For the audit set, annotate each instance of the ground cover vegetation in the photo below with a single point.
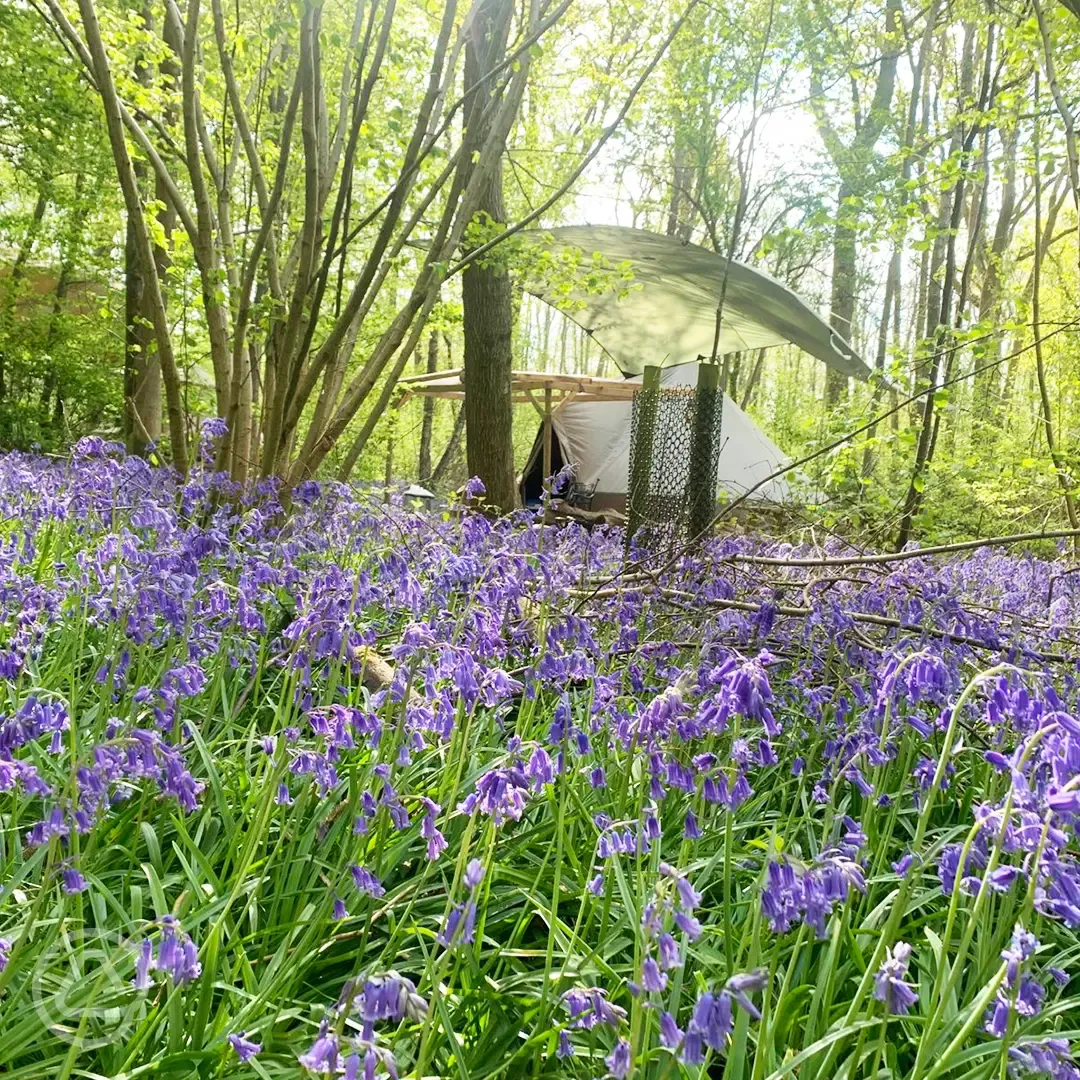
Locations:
(362, 791)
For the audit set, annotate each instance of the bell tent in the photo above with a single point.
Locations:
(595, 437)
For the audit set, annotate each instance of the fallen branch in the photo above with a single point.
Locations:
(900, 556)
(857, 616)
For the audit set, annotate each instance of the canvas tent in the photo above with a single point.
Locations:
(595, 438)
(589, 423)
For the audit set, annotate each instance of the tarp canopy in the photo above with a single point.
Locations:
(594, 436)
(667, 314)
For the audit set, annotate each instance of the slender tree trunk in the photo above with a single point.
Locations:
(892, 284)
(142, 370)
(486, 295)
(450, 452)
(50, 381)
(946, 323)
(753, 380)
(378, 411)
(18, 272)
(987, 382)
(145, 249)
(424, 465)
(842, 297)
(142, 375)
(1060, 469)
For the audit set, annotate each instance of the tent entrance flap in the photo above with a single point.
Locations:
(532, 476)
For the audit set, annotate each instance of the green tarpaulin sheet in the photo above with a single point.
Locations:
(666, 315)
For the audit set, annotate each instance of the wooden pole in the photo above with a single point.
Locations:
(389, 476)
(547, 433)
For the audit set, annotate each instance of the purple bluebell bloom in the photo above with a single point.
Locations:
(618, 1061)
(749, 982)
(366, 882)
(889, 985)
(244, 1047)
(323, 1057)
(712, 1019)
(653, 980)
(671, 1035)
(74, 882)
(566, 1047)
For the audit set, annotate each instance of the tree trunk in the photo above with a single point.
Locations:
(144, 245)
(1065, 481)
(945, 322)
(987, 382)
(423, 469)
(842, 298)
(752, 381)
(450, 452)
(485, 289)
(142, 422)
(18, 270)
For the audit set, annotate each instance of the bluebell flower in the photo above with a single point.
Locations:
(712, 1019)
(590, 1007)
(693, 1048)
(366, 882)
(566, 1047)
(74, 882)
(1049, 1057)
(653, 980)
(889, 984)
(741, 985)
(688, 924)
(213, 427)
(671, 1034)
(323, 1057)
(143, 965)
(1064, 801)
(499, 794)
(540, 769)
(244, 1047)
(618, 1061)
(177, 956)
(668, 952)
(904, 864)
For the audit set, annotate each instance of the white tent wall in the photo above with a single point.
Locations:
(595, 437)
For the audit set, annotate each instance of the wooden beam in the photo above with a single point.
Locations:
(427, 376)
(531, 398)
